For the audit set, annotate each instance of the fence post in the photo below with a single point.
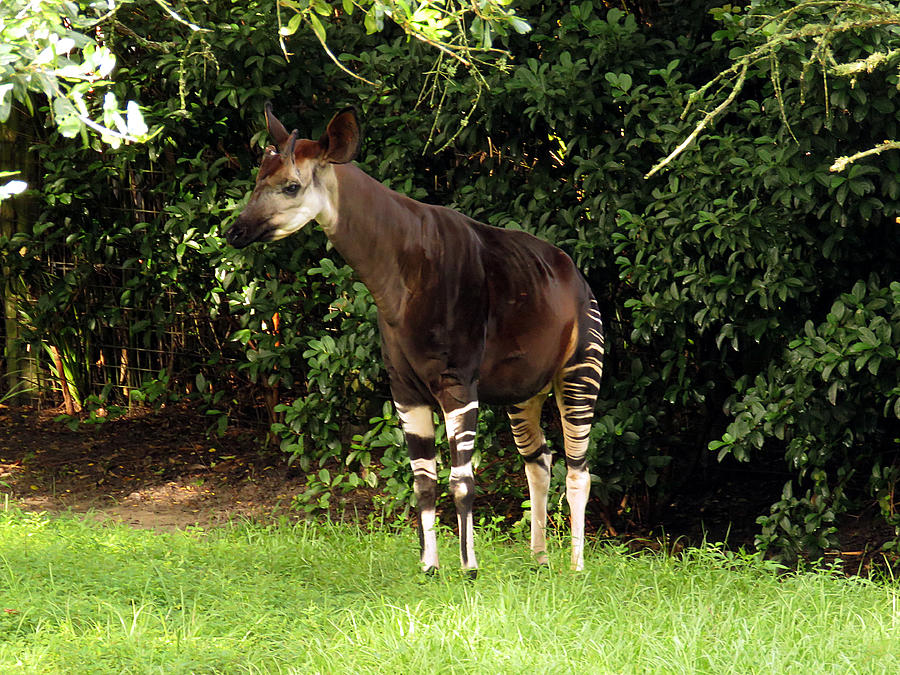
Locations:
(16, 215)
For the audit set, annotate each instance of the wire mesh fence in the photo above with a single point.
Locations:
(103, 345)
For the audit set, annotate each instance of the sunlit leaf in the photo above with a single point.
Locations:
(317, 27)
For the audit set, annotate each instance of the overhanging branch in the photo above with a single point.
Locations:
(707, 119)
(842, 163)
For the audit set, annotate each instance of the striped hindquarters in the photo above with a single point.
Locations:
(578, 384)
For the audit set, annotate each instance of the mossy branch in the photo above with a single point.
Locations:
(847, 17)
(707, 119)
(867, 65)
(842, 163)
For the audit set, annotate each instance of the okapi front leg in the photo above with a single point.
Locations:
(525, 420)
(418, 427)
(461, 424)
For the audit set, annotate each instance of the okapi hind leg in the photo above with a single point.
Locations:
(525, 421)
(418, 428)
(576, 389)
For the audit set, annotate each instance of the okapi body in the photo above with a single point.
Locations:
(468, 314)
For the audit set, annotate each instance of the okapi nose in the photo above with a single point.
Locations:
(235, 234)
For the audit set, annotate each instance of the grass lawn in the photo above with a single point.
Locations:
(77, 597)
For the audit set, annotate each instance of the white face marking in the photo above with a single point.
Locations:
(293, 218)
(314, 199)
(313, 203)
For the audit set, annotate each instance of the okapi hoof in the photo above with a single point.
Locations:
(471, 575)
(431, 570)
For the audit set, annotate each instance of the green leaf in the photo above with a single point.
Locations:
(519, 25)
(321, 7)
(292, 25)
(832, 393)
(5, 101)
(810, 329)
(374, 20)
(868, 337)
(874, 364)
(838, 309)
(317, 27)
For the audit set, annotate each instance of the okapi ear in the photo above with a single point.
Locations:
(340, 142)
(276, 129)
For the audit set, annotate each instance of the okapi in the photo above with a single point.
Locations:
(468, 314)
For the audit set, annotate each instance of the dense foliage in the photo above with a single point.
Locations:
(750, 295)
(50, 48)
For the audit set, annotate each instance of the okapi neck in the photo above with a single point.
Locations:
(374, 225)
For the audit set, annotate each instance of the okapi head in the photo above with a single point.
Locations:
(296, 182)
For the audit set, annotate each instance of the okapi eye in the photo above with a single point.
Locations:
(291, 189)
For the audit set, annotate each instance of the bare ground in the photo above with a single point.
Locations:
(158, 470)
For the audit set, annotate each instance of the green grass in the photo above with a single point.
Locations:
(77, 597)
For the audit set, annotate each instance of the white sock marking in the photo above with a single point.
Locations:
(429, 540)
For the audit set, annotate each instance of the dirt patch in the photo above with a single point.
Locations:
(157, 469)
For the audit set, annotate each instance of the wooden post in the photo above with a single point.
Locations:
(16, 215)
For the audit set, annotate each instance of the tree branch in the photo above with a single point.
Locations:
(842, 163)
(707, 119)
(854, 16)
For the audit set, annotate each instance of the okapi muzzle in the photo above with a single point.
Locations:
(467, 313)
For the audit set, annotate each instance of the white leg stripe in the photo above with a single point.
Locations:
(578, 488)
(466, 408)
(425, 467)
(455, 417)
(462, 471)
(538, 482)
(417, 420)
(465, 441)
(472, 563)
(465, 446)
